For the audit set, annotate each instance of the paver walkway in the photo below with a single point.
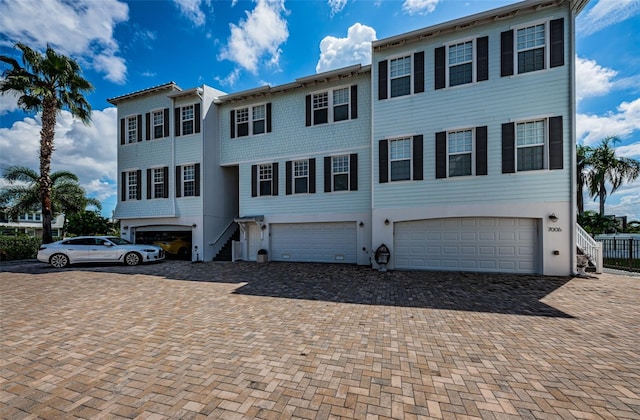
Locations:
(243, 340)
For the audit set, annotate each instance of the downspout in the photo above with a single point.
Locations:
(173, 153)
(573, 218)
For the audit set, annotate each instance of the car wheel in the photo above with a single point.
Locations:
(132, 258)
(59, 260)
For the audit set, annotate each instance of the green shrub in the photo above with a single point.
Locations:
(20, 247)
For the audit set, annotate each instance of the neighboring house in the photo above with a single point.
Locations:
(455, 149)
(164, 136)
(29, 224)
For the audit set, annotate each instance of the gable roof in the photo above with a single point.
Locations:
(149, 91)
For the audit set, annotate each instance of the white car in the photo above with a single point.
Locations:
(96, 249)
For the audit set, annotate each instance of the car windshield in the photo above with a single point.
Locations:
(119, 241)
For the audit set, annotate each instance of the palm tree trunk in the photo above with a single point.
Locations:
(580, 194)
(47, 135)
(602, 195)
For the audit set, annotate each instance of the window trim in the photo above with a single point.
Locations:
(154, 183)
(153, 113)
(135, 130)
(331, 105)
(410, 56)
(408, 138)
(294, 177)
(545, 148)
(250, 120)
(183, 180)
(347, 157)
(474, 60)
(473, 151)
(183, 120)
(547, 44)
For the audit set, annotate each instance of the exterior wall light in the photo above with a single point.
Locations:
(386, 221)
(553, 217)
(361, 224)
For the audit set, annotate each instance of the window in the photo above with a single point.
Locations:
(530, 144)
(460, 150)
(400, 158)
(341, 104)
(242, 122)
(187, 120)
(132, 185)
(265, 174)
(335, 105)
(531, 48)
(158, 183)
(320, 108)
(132, 129)
(461, 63)
(259, 119)
(158, 124)
(301, 176)
(340, 172)
(189, 180)
(400, 76)
(38, 217)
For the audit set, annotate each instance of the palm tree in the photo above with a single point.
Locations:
(607, 168)
(23, 193)
(46, 83)
(582, 163)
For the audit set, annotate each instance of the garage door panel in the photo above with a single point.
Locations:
(468, 244)
(314, 242)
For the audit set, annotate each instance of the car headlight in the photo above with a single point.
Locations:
(150, 250)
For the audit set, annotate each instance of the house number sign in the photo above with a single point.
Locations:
(555, 229)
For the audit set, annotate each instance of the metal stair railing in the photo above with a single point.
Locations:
(589, 246)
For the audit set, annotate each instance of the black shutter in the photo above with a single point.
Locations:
(382, 79)
(418, 65)
(327, 174)
(197, 180)
(353, 172)
(481, 150)
(307, 110)
(139, 182)
(354, 102)
(441, 154)
(312, 176)
(557, 43)
(254, 180)
(176, 121)
(178, 181)
(196, 118)
(269, 117)
(506, 53)
(508, 148)
(139, 127)
(383, 161)
(232, 123)
(555, 143)
(148, 126)
(482, 51)
(166, 181)
(122, 135)
(148, 184)
(274, 178)
(288, 179)
(418, 174)
(166, 123)
(440, 68)
(123, 186)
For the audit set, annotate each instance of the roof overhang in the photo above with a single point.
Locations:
(171, 86)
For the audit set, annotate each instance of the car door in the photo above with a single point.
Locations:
(77, 249)
(102, 250)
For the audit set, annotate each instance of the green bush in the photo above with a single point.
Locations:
(20, 247)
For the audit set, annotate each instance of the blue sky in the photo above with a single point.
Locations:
(125, 46)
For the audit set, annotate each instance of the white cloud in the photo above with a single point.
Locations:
(592, 79)
(593, 128)
(606, 13)
(82, 28)
(336, 6)
(340, 52)
(419, 7)
(191, 9)
(256, 40)
(8, 102)
(630, 150)
(87, 151)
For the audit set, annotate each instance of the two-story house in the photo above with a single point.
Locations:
(473, 142)
(166, 190)
(455, 149)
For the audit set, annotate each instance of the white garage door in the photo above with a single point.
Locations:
(507, 245)
(314, 242)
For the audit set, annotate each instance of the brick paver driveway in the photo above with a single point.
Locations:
(181, 340)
